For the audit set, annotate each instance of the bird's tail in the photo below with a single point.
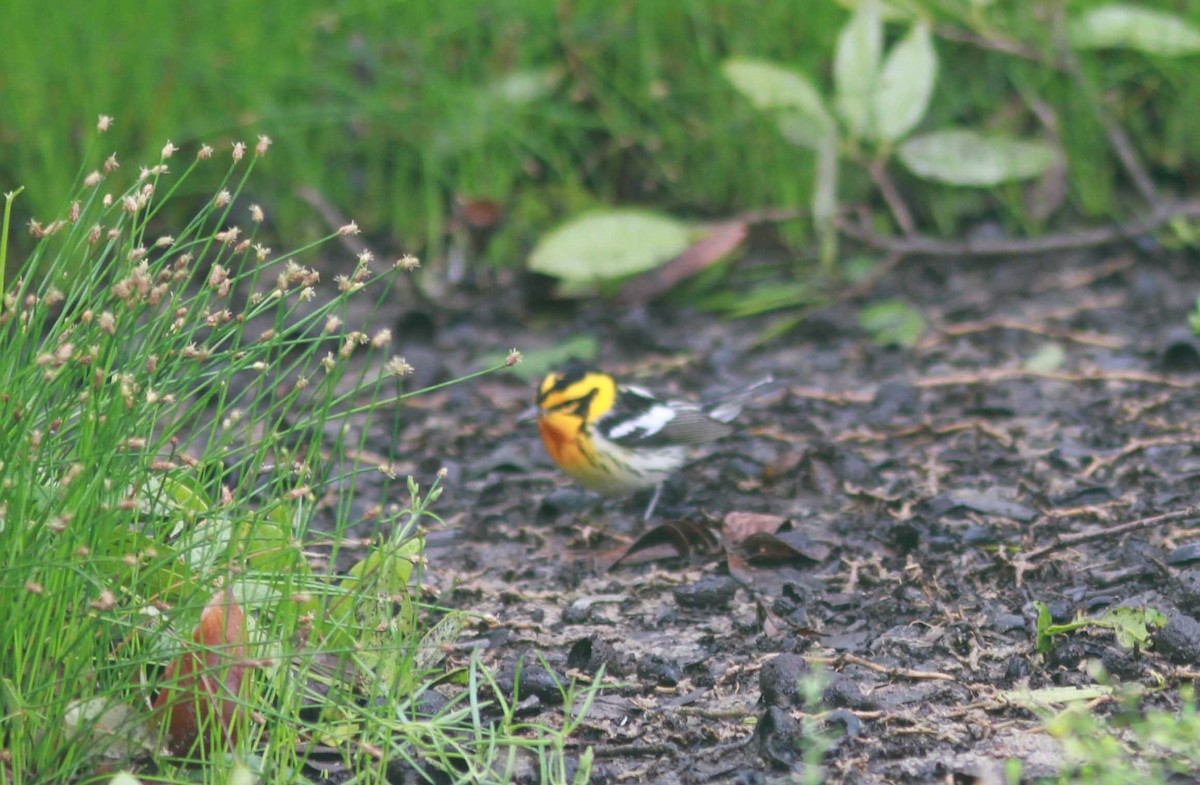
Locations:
(728, 407)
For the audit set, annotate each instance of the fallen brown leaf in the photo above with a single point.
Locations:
(207, 681)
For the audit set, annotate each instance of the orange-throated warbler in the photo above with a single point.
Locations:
(616, 438)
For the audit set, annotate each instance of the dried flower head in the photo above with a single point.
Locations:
(111, 164)
(239, 151)
(104, 123)
(513, 358)
(204, 153)
(349, 229)
(381, 338)
(397, 366)
(169, 150)
(264, 142)
(222, 198)
(408, 263)
(93, 179)
(256, 214)
(228, 236)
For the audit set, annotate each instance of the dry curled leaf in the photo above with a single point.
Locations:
(674, 539)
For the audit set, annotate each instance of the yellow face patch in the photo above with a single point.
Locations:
(568, 403)
(583, 395)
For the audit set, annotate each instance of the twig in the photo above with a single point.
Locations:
(877, 168)
(987, 325)
(931, 246)
(1075, 538)
(902, 673)
(993, 375)
(1138, 445)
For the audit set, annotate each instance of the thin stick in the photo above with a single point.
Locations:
(1075, 538)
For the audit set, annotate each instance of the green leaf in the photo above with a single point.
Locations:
(824, 199)
(892, 322)
(600, 246)
(798, 105)
(905, 85)
(1044, 621)
(1049, 357)
(963, 157)
(1132, 625)
(856, 67)
(1130, 27)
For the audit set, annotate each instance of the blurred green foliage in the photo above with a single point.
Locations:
(395, 111)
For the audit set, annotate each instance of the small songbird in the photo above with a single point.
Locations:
(616, 439)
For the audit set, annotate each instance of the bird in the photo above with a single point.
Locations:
(616, 438)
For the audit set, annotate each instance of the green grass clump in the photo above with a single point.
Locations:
(179, 411)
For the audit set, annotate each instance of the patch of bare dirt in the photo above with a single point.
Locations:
(924, 499)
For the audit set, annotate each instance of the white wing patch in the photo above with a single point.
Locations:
(647, 423)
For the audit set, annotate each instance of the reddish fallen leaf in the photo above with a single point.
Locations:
(754, 540)
(674, 539)
(204, 684)
(738, 526)
(703, 253)
(763, 548)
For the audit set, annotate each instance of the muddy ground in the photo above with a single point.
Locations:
(908, 507)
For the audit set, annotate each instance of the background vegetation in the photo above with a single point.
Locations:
(399, 113)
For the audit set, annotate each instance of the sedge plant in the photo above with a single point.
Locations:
(182, 434)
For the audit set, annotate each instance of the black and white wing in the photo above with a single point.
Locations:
(637, 418)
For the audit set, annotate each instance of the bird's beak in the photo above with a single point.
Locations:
(528, 415)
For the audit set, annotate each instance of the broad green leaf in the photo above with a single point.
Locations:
(892, 322)
(856, 67)
(905, 85)
(607, 245)
(803, 130)
(802, 115)
(963, 157)
(1120, 26)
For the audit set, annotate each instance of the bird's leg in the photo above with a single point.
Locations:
(653, 502)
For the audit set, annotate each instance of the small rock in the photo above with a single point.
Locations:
(779, 680)
(1187, 588)
(533, 680)
(1017, 668)
(591, 654)
(1188, 553)
(779, 738)
(850, 725)
(845, 692)
(713, 591)
(1008, 622)
(1181, 352)
(577, 613)
(1180, 639)
(659, 670)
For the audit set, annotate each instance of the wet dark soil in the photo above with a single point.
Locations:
(910, 506)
